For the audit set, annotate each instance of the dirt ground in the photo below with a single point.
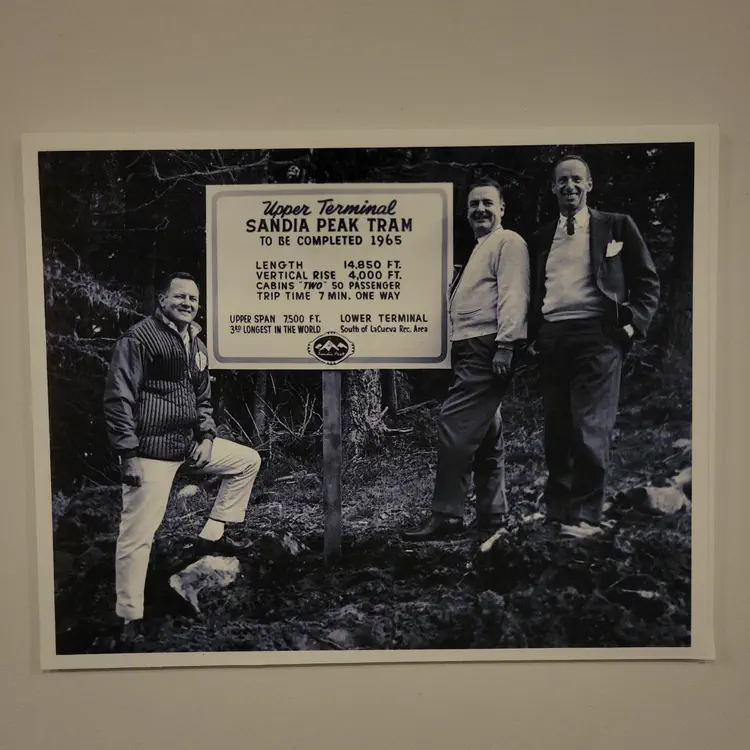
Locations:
(628, 587)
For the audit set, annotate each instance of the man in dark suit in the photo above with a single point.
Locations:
(595, 290)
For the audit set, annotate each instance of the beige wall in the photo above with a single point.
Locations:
(199, 65)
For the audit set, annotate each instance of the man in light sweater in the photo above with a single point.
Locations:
(595, 289)
(488, 317)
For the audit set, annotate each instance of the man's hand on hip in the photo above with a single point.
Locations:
(625, 334)
(200, 455)
(131, 472)
(501, 362)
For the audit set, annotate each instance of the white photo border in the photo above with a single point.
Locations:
(705, 281)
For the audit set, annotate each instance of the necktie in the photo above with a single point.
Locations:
(569, 225)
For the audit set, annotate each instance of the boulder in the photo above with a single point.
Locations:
(209, 574)
(661, 501)
(684, 481)
(341, 638)
(665, 500)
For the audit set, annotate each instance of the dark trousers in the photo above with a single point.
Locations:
(470, 433)
(580, 367)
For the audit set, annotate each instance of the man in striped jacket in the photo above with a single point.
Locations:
(159, 417)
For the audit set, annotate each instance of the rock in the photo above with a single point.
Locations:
(303, 642)
(490, 602)
(488, 545)
(210, 573)
(347, 627)
(685, 443)
(640, 594)
(291, 546)
(341, 638)
(664, 500)
(684, 481)
(188, 491)
(582, 531)
(275, 547)
(349, 613)
(530, 518)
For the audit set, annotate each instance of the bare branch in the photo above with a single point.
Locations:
(111, 212)
(238, 426)
(462, 167)
(431, 402)
(212, 172)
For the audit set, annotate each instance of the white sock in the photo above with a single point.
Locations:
(213, 530)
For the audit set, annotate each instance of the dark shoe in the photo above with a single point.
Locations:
(550, 530)
(438, 527)
(490, 523)
(131, 634)
(224, 547)
(554, 521)
(554, 514)
(590, 519)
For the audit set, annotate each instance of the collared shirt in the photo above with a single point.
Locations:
(580, 220)
(193, 328)
(571, 290)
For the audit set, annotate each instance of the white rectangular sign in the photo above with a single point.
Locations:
(312, 276)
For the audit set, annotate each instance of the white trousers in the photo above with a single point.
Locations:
(143, 510)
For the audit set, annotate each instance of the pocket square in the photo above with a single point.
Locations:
(613, 248)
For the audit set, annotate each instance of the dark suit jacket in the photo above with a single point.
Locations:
(628, 279)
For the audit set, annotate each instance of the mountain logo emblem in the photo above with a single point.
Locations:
(330, 348)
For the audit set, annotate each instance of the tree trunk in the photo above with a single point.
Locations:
(260, 411)
(390, 391)
(403, 388)
(362, 421)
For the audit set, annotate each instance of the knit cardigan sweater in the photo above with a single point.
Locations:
(492, 294)
(157, 398)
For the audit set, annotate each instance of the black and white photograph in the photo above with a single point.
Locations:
(395, 398)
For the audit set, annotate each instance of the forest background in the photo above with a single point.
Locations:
(113, 222)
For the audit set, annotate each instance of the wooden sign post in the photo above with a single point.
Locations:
(332, 464)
